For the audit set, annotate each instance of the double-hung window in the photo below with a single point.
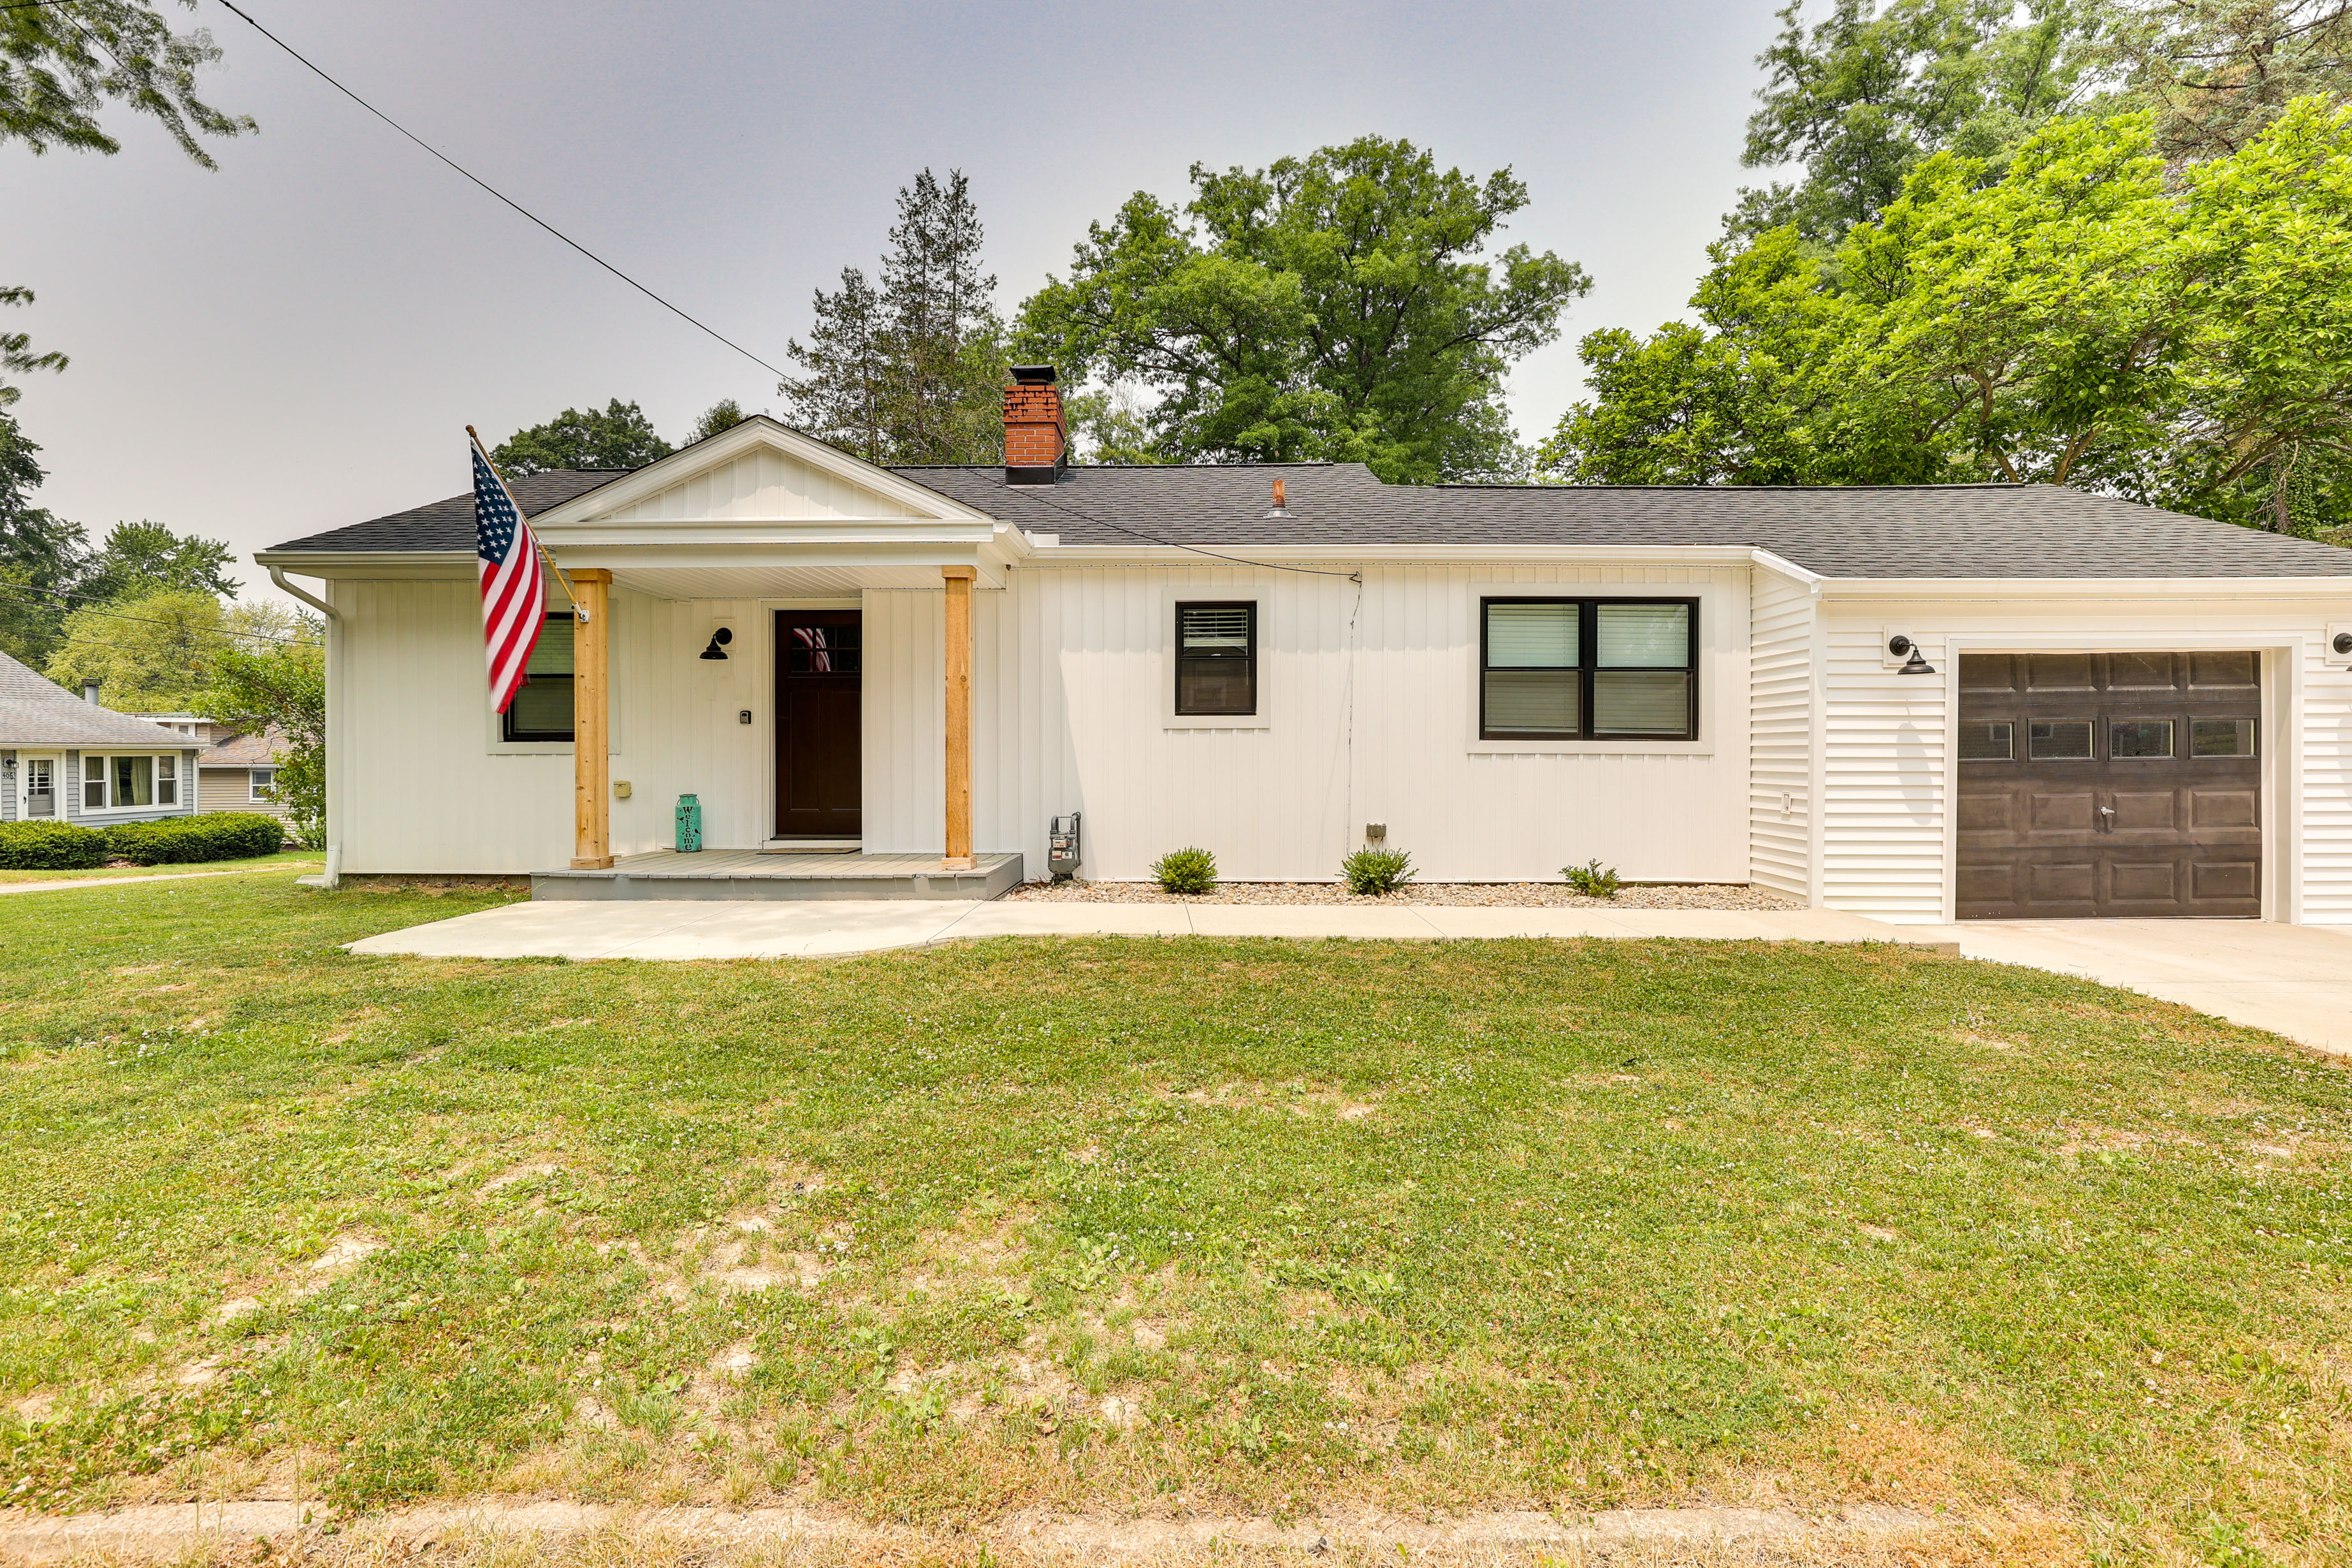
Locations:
(259, 781)
(1587, 670)
(128, 783)
(1216, 658)
(541, 709)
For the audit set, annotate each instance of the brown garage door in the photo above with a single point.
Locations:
(2109, 783)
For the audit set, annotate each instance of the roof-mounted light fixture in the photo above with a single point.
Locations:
(718, 641)
(1899, 645)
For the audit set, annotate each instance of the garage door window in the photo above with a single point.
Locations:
(2221, 737)
(1995, 742)
(2141, 738)
(2059, 740)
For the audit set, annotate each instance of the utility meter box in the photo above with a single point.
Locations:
(1062, 848)
(689, 823)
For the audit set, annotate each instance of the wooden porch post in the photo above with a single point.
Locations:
(591, 749)
(958, 724)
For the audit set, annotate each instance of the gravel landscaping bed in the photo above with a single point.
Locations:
(1512, 895)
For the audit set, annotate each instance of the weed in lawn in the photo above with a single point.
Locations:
(938, 1237)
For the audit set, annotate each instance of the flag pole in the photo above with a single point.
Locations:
(570, 592)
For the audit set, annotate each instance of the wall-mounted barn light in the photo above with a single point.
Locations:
(1899, 645)
(718, 641)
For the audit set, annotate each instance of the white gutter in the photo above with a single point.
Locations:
(333, 874)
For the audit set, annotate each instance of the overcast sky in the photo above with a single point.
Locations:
(295, 341)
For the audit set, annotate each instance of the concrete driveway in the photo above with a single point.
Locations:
(2295, 981)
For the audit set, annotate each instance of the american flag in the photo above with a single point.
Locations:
(513, 593)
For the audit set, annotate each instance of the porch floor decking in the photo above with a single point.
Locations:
(766, 874)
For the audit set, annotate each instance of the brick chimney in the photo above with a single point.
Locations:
(1036, 436)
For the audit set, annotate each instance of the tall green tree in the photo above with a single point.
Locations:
(2215, 73)
(142, 558)
(908, 367)
(617, 435)
(1346, 304)
(2083, 319)
(148, 655)
(1862, 96)
(282, 685)
(40, 553)
(16, 355)
(716, 420)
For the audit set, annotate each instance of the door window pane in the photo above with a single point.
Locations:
(1643, 637)
(1532, 636)
(821, 650)
(2128, 738)
(1532, 702)
(2220, 737)
(1993, 743)
(2059, 740)
(1644, 703)
(40, 787)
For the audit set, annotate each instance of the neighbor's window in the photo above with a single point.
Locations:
(1216, 658)
(1578, 669)
(541, 710)
(126, 784)
(259, 782)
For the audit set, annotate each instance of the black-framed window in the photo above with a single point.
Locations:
(541, 709)
(1587, 670)
(1216, 657)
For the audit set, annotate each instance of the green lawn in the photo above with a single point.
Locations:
(1190, 1223)
(292, 860)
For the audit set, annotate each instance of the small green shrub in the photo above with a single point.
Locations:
(1593, 879)
(1376, 871)
(1186, 871)
(181, 840)
(51, 847)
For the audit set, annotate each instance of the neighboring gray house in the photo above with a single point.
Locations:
(65, 759)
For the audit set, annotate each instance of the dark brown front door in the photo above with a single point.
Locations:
(818, 659)
(2109, 783)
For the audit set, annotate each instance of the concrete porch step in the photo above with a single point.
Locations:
(765, 874)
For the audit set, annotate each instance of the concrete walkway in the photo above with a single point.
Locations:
(160, 876)
(652, 929)
(2295, 981)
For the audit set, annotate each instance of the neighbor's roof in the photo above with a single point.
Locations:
(37, 711)
(1866, 532)
(249, 751)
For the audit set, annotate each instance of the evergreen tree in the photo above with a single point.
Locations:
(910, 368)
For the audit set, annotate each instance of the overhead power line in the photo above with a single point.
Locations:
(304, 60)
(26, 597)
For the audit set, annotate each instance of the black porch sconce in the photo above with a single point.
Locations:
(1898, 645)
(718, 641)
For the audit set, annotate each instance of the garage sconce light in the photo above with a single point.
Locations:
(718, 641)
(2343, 642)
(1897, 646)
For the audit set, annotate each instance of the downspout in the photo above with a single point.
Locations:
(334, 873)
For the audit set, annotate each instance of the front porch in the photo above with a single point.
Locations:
(665, 874)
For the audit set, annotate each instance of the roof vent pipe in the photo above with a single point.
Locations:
(1281, 506)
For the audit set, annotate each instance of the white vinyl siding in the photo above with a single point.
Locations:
(1780, 747)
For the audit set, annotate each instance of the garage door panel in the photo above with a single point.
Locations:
(2107, 804)
(2214, 809)
(2217, 881)
(2144, 882)
(2146, 811)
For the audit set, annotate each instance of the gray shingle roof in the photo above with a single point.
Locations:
(37, 711)
(449, 524)
(1924, 531)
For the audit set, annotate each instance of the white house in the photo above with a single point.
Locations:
(1918, 703)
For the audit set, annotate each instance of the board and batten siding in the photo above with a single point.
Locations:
(1780, 735)
(1368, 713)
(1888, 783)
